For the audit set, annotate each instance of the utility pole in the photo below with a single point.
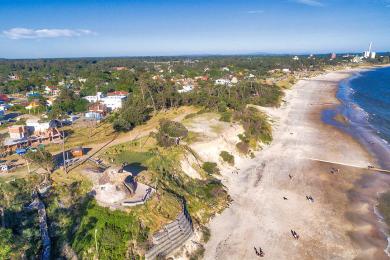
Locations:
(96, 245)
(63, 147)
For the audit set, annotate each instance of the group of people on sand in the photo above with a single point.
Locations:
(334, 170)
(259, 252)
(294, 234)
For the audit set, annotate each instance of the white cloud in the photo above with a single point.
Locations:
(255, 12)
(310, 2)
(25, 33)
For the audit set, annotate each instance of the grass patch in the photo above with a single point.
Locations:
(227, 157)
(210, 168)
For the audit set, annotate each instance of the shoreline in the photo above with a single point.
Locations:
(340, 223)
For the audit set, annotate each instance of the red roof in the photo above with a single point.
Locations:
(4, 98)
(118, 93)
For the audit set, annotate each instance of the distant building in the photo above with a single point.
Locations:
(113, 100)
(17, 132)
(119, 68)
(295, 58)
(333, 56)
(186, 88)
(4, 98)
(34, 104)
(369, 54)
(98, 107)
(234, 80)
(52, 90)
(224, 82)
(43, 129)
(13, 77)
(118, 93)
(94, 99)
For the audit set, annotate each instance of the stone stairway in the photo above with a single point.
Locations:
(171, 236)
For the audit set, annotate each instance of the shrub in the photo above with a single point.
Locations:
(226, 116)
(169, 133)
(227, 157)
(210, 167)
(255, 124)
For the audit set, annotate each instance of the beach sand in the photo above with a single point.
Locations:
(340, 224)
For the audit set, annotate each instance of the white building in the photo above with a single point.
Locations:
(94, 99)
(113, 102)
(223, 82)
(186, 88)
(234, 80)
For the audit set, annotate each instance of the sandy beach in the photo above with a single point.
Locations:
(339, 224)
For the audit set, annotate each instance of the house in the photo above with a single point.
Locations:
(13, 77)
(33, 94)
(4, 167)
(114, 102)
(17, 132)
(186, 88)
(286, 70)
(295, 58)
(77, 152)
(118, 93)
(94, 99)
(223, 82)
(52, 90)
(4, 98)
(98, 107)
(234, 80)
(82, 80)
(46, 129)
(120, 68)
(34, 104)
(94, 116)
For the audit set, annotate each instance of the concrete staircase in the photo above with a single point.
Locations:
(171, 236)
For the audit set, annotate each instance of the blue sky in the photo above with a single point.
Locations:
(70, 28)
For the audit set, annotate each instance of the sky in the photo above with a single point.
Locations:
(97, 28)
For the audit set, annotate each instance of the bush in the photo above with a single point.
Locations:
(255, 124)
(210, 167)
(226, 116)
(227, 157)
(170, 132)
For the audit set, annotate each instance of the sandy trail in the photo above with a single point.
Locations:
(339, 224)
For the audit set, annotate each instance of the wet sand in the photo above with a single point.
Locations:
(340, 224)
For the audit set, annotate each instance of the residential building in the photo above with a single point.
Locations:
(98, 107)
(34, 104)
(94, 99)
(18, 132)
(52, 90)
(42, 129)
(113, 102)
(224, 82)
(4, 98)
(186, 88)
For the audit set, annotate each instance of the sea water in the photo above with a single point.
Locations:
(365, 99)
(365, 103)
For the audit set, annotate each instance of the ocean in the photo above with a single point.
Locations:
(365, 103)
